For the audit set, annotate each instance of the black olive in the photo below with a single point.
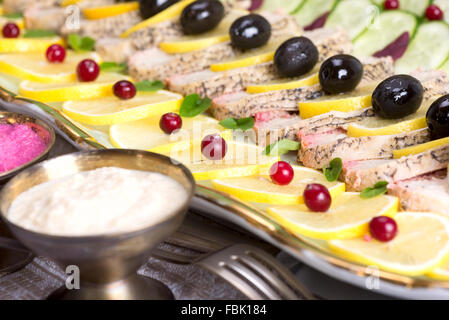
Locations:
(201, 16)
(340, 73)
(149, 8)
(397, 97)
(295, 57)
(251, 31)
(438, 118)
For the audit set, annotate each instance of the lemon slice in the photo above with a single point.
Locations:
(169, 13)
(441, 272)
(421, 245)
(10, 45)
(145, 134)
(347, 218)
(308, 80)
(65, 3)
(58, 92)
(18, 21)
(355, 100)
(375, 126)
(109, 11)
(420, 148)
(260, 188)
(241, 160)
(35, 67)
(111, 110)
(193, 43)
(252, 57)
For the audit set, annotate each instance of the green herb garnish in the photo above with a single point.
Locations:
(193, 105)
(38, 33)
(149, 86)
(234, 124)
(78, 43)
(113, 67)
(333, 171)
(378, 189)
(16, 15)
(281, 147)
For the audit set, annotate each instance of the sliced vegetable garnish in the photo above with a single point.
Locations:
(333, 171)
(378, 189)
(193, 105)
(281, 147)
(234, 124)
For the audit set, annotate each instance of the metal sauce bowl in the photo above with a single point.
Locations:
(107, 263)
(17, 118)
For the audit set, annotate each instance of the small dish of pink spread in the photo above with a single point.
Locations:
(20, 143)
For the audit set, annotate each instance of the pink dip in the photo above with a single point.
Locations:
(20, 143)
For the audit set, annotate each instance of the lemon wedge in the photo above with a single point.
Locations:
(308, 80)
(58, 92)
(35, 67)
(145, 134)
(375, 126)
(260, 188)
(110, 11)
(192, 43)
(241, 159)
(358, 99)
(169, 13)
(421, 245)
(347, 218)
(111, 110)
(252, 57)
(420, 148)
(65, 3)
(11, 45)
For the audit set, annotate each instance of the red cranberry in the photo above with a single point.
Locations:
(317, 198)
(124, 90)
(383, 228)
(55, 53)
(11, 30)
(391, 4)
(87, 70)
(170, 122)
(214, 147)
(433, 12)
(281, 173)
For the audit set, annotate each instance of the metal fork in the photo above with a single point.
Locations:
(250, 270)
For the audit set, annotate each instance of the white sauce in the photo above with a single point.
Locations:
(101, 201)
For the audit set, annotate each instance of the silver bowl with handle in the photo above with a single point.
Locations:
(107, 263)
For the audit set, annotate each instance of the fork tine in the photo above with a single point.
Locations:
(241, 278)
(286, 277)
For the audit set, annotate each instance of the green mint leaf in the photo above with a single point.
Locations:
(113, 66)
(281, 147)
(333, 171)
(378, 189)
(149, 86)
(38, 33)
(16, 15)
(234, 124)
(193, 105)
(78, 43)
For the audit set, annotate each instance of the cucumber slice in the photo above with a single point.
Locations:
(353, 16)
(386, 28)
(275, 5)
(418, 7)
(445, 67)
(311, 10)
(443, 5)
(428, 49)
